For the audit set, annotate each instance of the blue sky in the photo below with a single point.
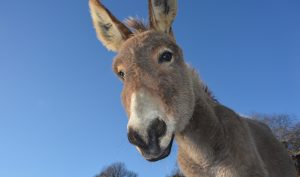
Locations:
(60, 110)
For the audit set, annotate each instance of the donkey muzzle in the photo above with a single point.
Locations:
(151, 148)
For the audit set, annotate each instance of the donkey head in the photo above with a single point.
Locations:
(158, 92)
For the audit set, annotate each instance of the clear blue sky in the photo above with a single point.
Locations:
(60, 110)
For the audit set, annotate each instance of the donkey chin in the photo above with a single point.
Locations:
(155, 153)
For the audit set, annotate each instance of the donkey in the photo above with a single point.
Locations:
(164, 98)
(296, 160)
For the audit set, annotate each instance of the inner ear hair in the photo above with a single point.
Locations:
(110, 31)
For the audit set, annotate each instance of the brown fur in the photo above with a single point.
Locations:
(137, 25)
(213, 140)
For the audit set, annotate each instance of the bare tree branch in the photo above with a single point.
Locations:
(176, 172)
(285, 129)
(116, 170)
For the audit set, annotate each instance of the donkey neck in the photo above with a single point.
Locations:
(203, 137)
(208, 144)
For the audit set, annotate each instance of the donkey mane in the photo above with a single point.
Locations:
(209, 93)
(203, 85)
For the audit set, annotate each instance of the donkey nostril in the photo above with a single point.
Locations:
(161, 128)
(134, 138)
(157, 128)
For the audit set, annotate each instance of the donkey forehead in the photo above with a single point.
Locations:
(144, 44)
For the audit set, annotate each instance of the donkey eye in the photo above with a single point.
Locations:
(165, 57)
(121, 74)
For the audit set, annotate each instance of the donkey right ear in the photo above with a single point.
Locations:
(161, 14)
(110, 31)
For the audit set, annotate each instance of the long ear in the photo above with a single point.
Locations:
(161, 14)
(110, 31)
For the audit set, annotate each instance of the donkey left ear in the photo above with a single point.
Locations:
(161, 14)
